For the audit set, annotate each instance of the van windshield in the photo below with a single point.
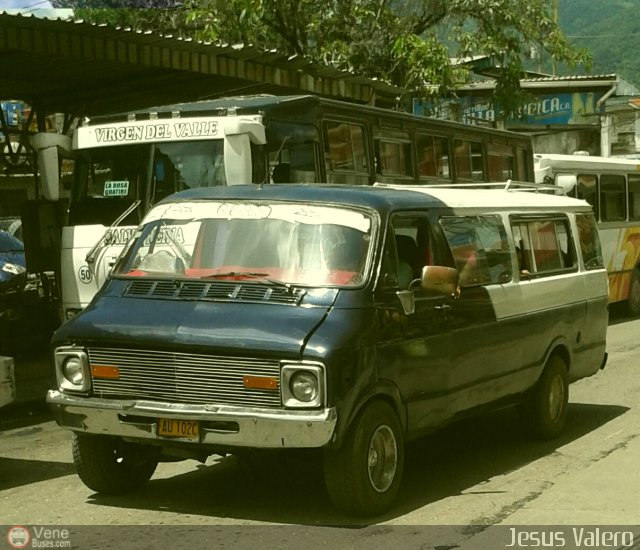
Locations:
(296, 244)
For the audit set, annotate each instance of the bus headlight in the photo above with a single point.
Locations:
(72, 369)
(303, 385)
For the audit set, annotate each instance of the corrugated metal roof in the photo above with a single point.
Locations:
(604, 81)
(83, 68)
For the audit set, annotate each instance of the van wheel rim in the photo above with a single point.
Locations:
(382, 459)
(556, 398)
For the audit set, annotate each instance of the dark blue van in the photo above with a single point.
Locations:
(344, 319)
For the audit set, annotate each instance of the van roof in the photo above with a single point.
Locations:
(389, 197)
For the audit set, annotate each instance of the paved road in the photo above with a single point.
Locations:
(458, 482)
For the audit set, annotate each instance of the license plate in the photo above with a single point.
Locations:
(187, 429)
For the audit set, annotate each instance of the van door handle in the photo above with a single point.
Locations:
(443, 307)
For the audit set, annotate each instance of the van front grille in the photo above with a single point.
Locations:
(184, 377)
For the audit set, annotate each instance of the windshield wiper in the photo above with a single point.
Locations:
(234, 274)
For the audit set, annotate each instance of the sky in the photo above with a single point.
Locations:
(24, 4)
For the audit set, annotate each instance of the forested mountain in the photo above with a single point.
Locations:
(609, 29)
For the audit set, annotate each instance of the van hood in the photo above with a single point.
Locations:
(216, 326)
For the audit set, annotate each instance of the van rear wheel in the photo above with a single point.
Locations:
(363, 476)
(545, 411)
(108, 464)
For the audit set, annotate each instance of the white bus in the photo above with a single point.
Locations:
(126, 163)
(612, 187)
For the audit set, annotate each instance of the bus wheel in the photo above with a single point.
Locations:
(633, 301)
(363, 476)
(110, 465)
(545, 411)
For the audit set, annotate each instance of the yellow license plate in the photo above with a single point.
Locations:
(187, 429)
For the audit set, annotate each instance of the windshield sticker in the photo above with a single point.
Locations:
(292, 213)
(119, 188)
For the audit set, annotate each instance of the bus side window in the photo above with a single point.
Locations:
(587, 189)
(469, 160)
(393, 159)
(589, 241)
(634, 196)
(346, 153)
(501, 161)
(612, 198)
(432, 156)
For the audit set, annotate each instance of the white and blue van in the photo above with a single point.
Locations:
(343, 319)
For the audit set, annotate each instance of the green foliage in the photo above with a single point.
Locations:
(609, 29)
(407, 43)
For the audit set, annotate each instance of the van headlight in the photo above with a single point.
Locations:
(303, 385)
(72, 369)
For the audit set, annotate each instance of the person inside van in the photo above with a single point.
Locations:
(407, 259)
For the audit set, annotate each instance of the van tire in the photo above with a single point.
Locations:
(363, 476)
(545, 411)
(108, 464)
(633, 300)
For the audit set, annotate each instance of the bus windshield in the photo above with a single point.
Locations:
(292, 244)
(108, 179)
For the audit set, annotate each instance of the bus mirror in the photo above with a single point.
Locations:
(252, 128)
(237, 159)
(47, 145)
(566, 182)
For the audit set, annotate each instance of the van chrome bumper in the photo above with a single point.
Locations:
(218, 424)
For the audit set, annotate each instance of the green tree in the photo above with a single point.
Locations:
(408, 43)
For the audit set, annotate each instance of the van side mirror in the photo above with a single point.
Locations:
(435, 279)
(439, 279)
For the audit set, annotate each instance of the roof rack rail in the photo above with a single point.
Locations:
(508, 185)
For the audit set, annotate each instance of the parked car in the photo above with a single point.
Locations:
(13, 272)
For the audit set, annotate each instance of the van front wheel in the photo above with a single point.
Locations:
(108, 464)
(363, 476)
(545, 411)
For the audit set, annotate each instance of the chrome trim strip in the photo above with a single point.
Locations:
(257, 428)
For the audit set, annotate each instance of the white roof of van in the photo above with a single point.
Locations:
(465, 197)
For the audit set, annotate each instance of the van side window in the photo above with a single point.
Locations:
(480, 249)
(543, 245)
(589, 241)
(408, 249)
